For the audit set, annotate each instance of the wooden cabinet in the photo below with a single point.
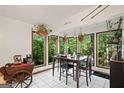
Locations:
(117, 74)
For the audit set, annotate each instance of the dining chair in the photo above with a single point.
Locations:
(56, 60)
(87, 67)
(65, 66)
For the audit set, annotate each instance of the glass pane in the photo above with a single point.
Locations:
(61, 42)
(38, 49)
(72, 44)
(52, 48)
(107, 43)
(86, 45)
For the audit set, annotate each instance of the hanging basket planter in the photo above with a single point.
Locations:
(80, 38)
(65, 38)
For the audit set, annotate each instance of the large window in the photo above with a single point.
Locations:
(37, 49)
(87, 45)
(72, 45)
(61, 42)
(52, 47)
(107, 43)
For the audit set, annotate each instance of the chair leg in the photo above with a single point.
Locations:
(66, 76)
(80, 73)
(60, 72)
(87, 78)
(73, 73)
(90, 75)
(58, 67)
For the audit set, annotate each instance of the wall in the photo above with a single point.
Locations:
(15, 38)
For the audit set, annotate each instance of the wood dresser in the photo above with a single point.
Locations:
(116, 74)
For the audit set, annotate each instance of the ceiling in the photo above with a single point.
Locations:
(89, 24)
(52, 15)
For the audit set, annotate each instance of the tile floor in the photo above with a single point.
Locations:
(46, 80)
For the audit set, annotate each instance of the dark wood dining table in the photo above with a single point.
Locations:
(77, 61)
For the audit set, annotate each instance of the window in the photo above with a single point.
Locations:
(107, 43)
(61, 42)
(37, 49)
(52, 47)
(87, 45)
(72, 45)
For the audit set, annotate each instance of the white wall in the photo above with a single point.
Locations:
(15, 38)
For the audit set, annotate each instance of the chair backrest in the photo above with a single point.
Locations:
(17, 58)
(89, 62)
(78, 55)
(63, 60)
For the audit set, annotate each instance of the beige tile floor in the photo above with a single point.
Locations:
(46, 80)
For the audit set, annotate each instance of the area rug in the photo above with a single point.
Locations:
(101, 75)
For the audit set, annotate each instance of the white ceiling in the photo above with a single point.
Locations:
(89, 25)
(47, 14)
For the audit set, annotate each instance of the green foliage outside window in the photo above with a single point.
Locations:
(85, 45)
(52, 49)
(102, 44)
(61, 42)
(38, 49)
(72, 45)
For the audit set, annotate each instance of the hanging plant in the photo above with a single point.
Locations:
(54, 38)
(42, 29)
(114, 23)
(80, 37)
(65, 38)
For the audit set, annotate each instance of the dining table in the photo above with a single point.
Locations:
(76, 60)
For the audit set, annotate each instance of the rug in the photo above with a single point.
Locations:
(101, 75)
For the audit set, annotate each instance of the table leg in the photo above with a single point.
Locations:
(60, 71)
(77, 74)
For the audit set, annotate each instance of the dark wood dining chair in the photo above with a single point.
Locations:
(65, 66)
(87, 67)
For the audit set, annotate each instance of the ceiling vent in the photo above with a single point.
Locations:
(69, 22)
